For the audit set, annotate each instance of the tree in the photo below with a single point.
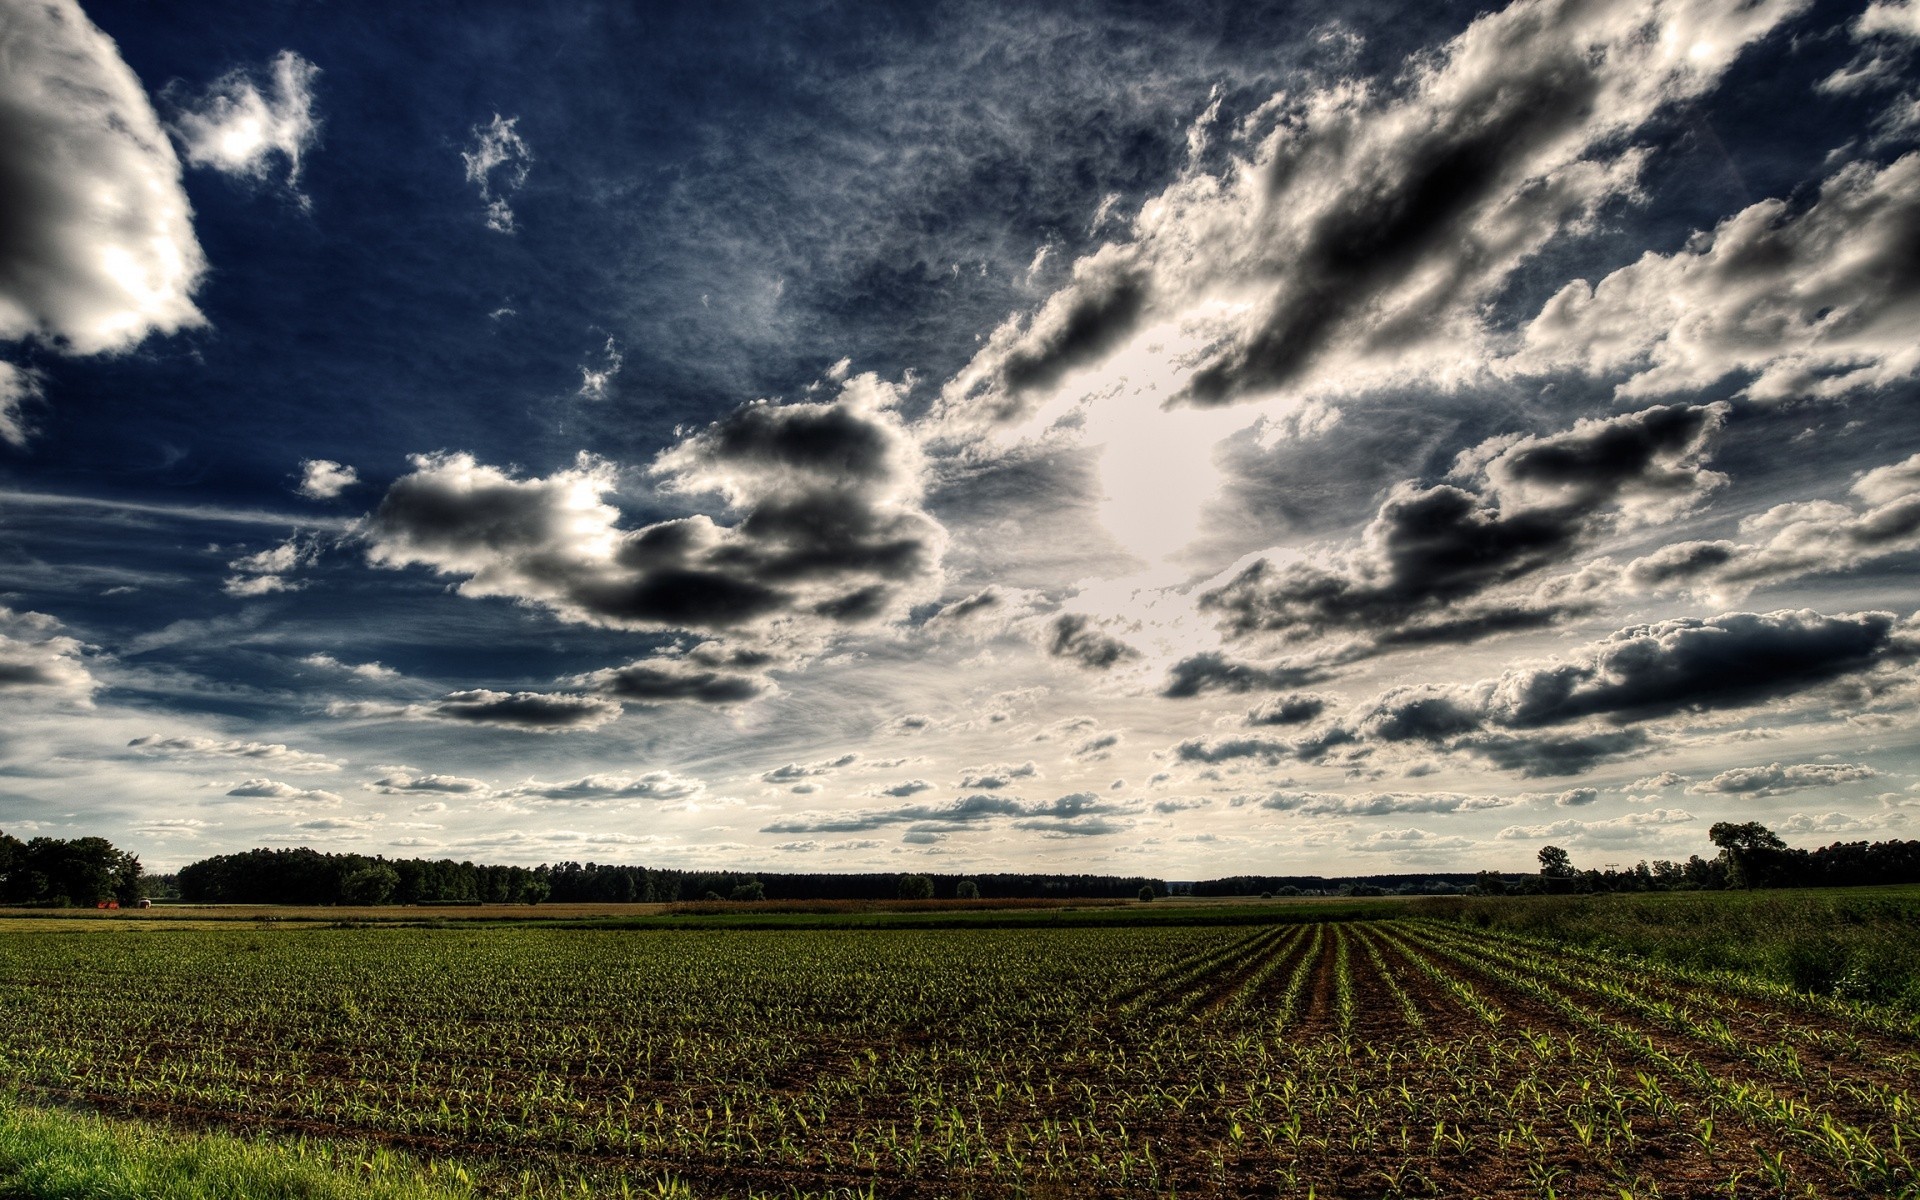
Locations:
(370, 885)
(1556, 863)
(1146, 893)
(916, 887)
(753, 889)
(966, 889)
(1754, 855)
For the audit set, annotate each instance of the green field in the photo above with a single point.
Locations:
(1503, 1048)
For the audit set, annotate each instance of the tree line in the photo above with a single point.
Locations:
(305, 876)
(64, 872)
(85, 871)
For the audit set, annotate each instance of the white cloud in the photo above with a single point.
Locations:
(96, 236)
(498, 163)
(365, 670)
(1774, 779)
(1819, 302)
(273, 789)
(278, 753)
(1631, 827)
(37, 660)
(596, 376)
(599, 789)
(246, 118)
(324, 479)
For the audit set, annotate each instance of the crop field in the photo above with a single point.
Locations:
(1395, 1057)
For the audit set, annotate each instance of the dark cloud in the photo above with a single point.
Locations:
(830, 531)
(1075, 637)
(996, 777)
(537, 712)
(1429, 564)
(1296, 709)
(665, 678)
(1215, 672)
(1800, 538)
(911, 787)
(792, 772)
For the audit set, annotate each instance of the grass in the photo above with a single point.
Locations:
(1852, 943)
(49, 1154)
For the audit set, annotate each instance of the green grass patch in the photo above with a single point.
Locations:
(51, 1154)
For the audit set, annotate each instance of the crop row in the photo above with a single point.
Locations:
(1391, 1058)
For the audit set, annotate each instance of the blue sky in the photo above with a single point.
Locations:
(1095, 437)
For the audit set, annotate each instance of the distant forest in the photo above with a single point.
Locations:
(90, 870)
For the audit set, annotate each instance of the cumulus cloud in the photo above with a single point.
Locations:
(278, 753)
(532, 712)
(1096, 748)
(1410, 841)
(905, 788)
(1211, 671)
(37, 660)
(401, 782)
(1078, 638)
(1371, 804)
(1637, 674)
(1080, 813)
(497, 163)
(324, 479)
(1432, 564)
(1299, 708)
(830, 532)
(793, 772)
(1798, 538)
(96, 234)
(365, 670)
(273, 789)
(995, 777)
(247, 118)
(1360, 232)
(600, 789)
(710, 673)
(1818, 302)
(1775, 779)
(1628, 828)
(265, 571)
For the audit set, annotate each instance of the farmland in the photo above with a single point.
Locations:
(1397, 1056)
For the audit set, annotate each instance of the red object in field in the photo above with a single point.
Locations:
(106, 904)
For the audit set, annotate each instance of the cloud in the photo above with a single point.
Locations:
(400, 782)
(1819, 302)
(531, 712)
(1074, 636)
(273, 789)
(1299, 708)
(497, 163)
(1799, 538)
(703, 675)
(596, 377)
(830, 532)
(246, 118)
(277, 753)
(796, 771)
(995, 777)
(1410, 841)
(597, 789)
(1360, 232)
(96, 235)
(1576, 797)
(1631, 827)
(1430, 564)
(365, 670)
(906, 788)
(1079, 813)
(265, 571)
(1211, 671)
(324, 479)
(1372, 804)
(37, 660)
(1775, 779)
(1097, 747)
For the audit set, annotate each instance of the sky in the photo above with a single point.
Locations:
(1181, 440)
